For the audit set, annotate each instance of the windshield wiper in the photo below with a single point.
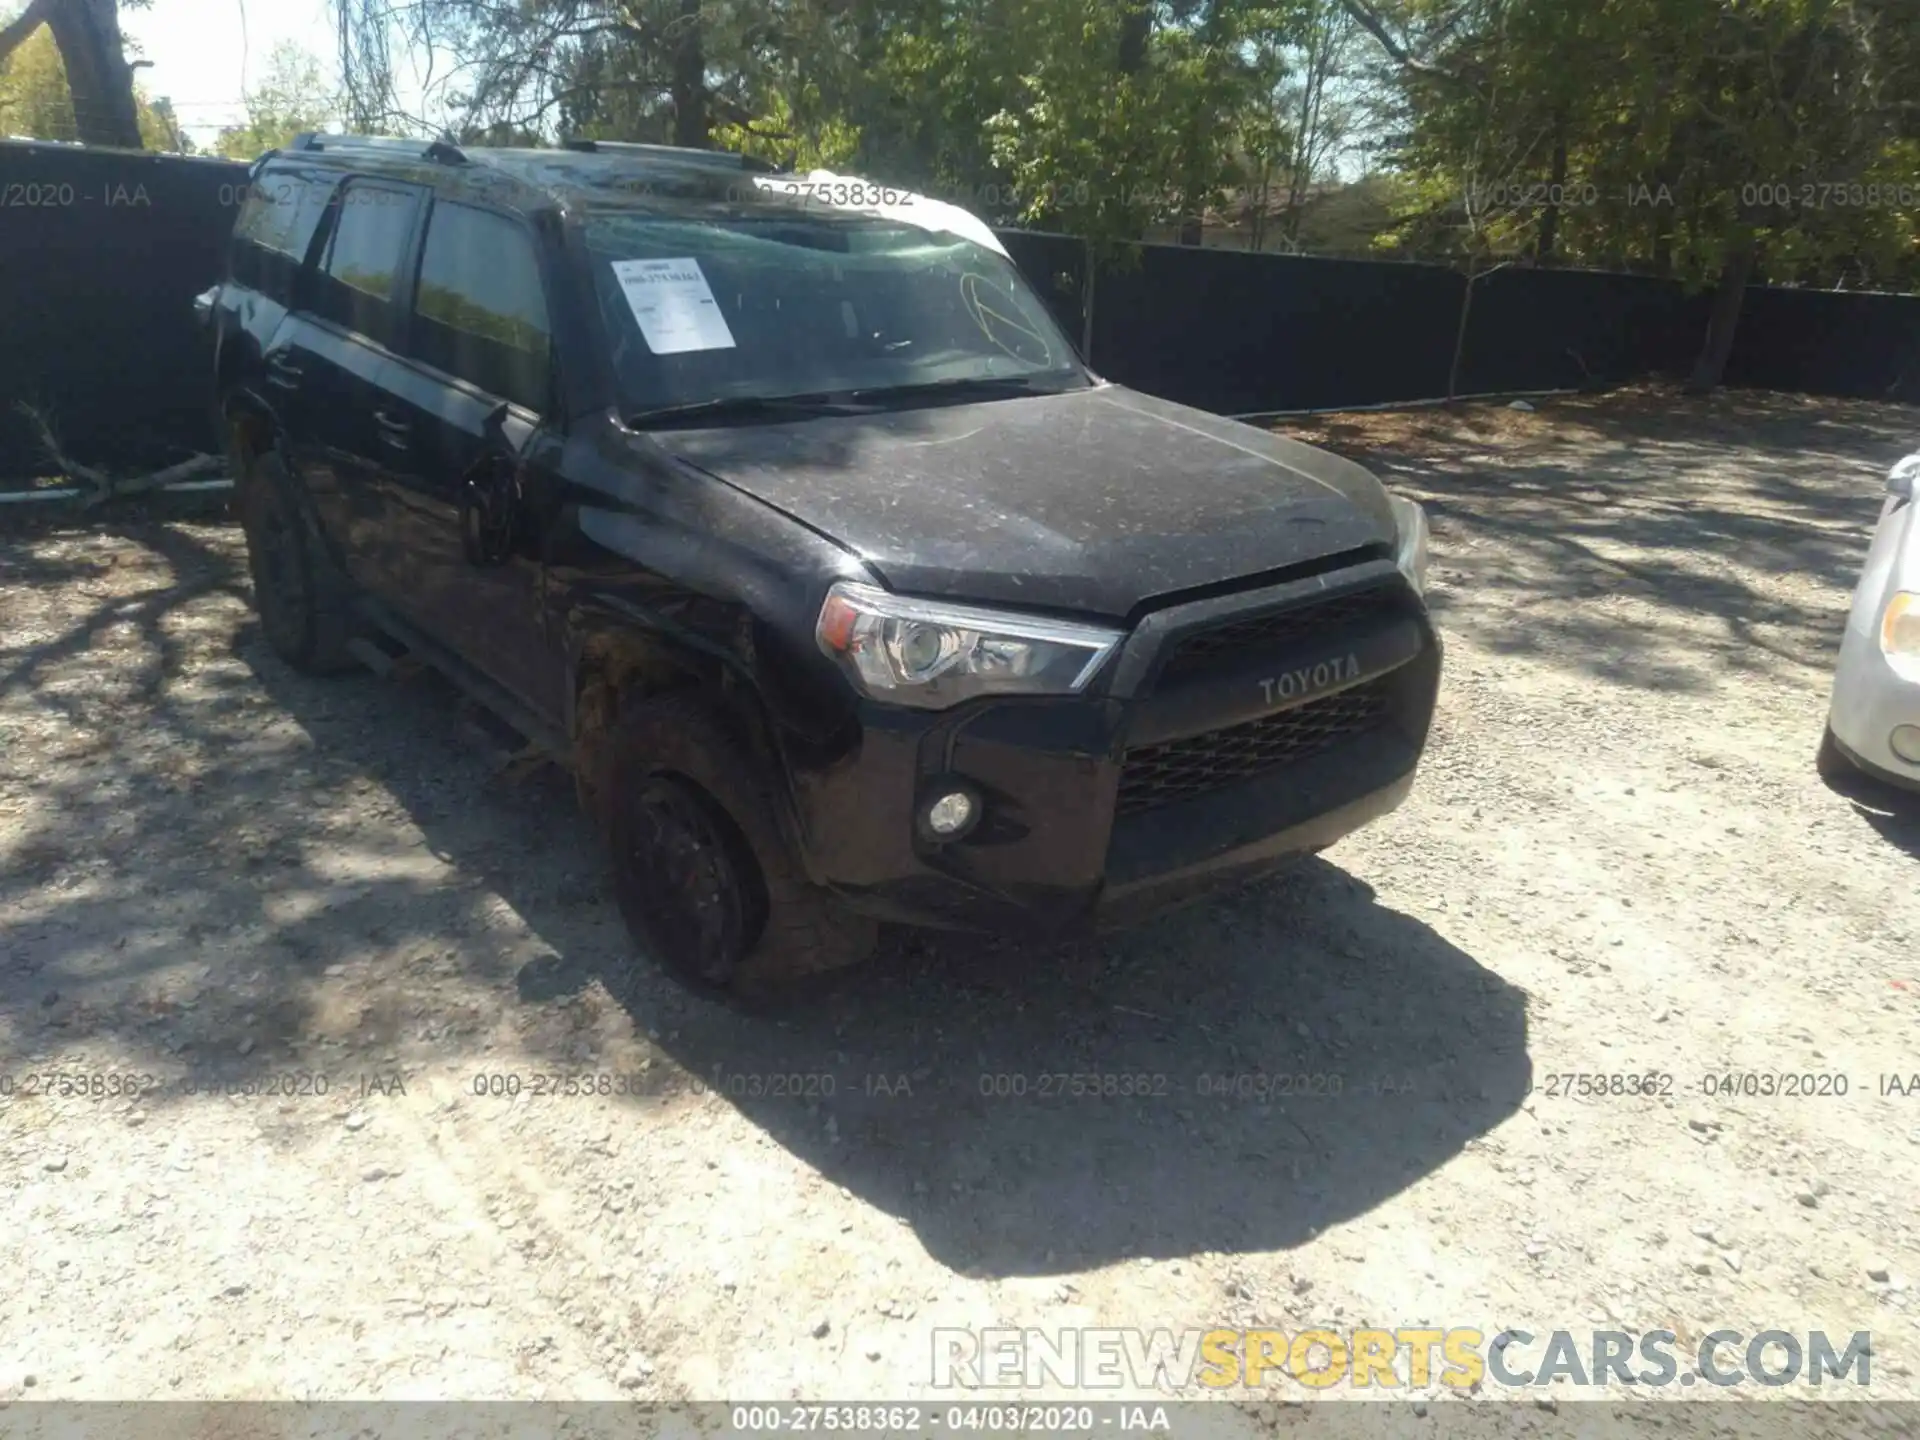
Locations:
(745, 407)
(974, 384)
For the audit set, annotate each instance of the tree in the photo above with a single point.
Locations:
(33, 91)
(36, 100)
(99, 79)
(1659, 131)
(1647, 134)
(293, 96)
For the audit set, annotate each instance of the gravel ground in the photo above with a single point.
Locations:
(215, 873)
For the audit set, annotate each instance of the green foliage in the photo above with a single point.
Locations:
(1683, 125)
(777, 136)
(33, 91)
(1643, 133)
(293, 96)
(35, 100)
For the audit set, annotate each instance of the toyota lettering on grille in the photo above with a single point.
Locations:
(1310, 679)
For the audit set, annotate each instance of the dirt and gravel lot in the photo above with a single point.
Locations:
(222, 876)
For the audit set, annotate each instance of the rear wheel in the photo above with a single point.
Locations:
(302, 600)
(707, 884)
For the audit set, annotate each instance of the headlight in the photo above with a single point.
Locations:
(1900, 625)
(1411, 552)
(917, 652)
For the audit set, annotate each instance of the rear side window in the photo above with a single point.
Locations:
(372, 225)
(270, 239)
(480, 313)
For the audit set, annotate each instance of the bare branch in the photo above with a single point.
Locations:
(104, 486)
(1367, 20)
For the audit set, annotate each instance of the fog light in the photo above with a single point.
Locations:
(1905, 742)
(950, 814)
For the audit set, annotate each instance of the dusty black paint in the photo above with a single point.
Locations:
(1091, 502)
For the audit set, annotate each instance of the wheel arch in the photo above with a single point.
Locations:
(614, 662)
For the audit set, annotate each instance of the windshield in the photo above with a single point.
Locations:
(742, 307)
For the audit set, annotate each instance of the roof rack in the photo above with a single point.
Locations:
(444, 152)
(719, 159)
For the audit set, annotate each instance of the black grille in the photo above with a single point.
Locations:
(1156, 775)
(1201, 650)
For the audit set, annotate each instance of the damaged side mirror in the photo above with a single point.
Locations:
(490, 498)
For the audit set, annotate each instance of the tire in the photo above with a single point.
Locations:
(304, 602)
(707, 884)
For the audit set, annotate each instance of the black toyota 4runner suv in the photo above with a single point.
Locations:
(781, 511)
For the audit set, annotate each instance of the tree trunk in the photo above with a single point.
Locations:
(689, 87)
(1135, 28)
(1663, 241)
(1550, 217)
(98, 76)
(1665, 216)
(1728, 298)
(14, 34)
(1460, 335)
(1199, 146)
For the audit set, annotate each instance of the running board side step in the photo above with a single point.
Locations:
(476, 686)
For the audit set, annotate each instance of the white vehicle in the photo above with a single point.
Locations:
(1873, 723)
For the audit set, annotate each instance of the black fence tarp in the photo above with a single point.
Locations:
(1531, 329)
(101, 254)
(1825, 343)
(1236, 332)
(1056, 266)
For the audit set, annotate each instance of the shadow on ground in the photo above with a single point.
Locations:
(277, 867)
(1296, 1053)
(1598, 532)
(1891, 812)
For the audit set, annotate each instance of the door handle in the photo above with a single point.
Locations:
(283, 373)
(394, 432)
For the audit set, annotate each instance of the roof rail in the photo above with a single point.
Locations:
(444, 152)
(720, 159)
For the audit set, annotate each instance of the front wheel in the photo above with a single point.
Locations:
(707, 884)
(689, 889)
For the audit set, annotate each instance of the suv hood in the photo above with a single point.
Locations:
(1093, 501)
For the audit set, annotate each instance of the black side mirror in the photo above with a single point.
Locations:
(494, 428)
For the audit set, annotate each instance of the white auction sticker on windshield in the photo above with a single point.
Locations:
(674, 305)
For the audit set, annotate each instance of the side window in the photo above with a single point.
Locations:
(371, 227)
(480, 313)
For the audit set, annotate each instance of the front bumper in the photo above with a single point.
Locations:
(1870, 698)
(1105, 807)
